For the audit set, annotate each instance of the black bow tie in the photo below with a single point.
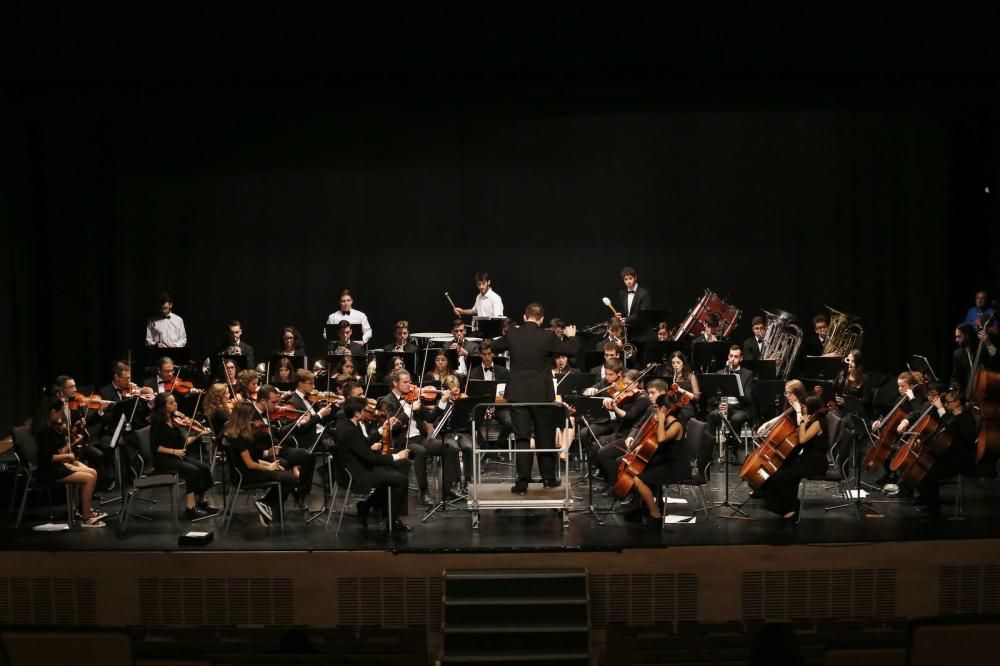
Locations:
(632, 291)
(346, 314)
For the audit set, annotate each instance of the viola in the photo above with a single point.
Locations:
(325, 396)
(76, 432)
(427, 393)
(644, 448)
(189, 423)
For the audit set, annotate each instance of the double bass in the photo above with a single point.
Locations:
(778, 446)
(646, 443)
(983, 391)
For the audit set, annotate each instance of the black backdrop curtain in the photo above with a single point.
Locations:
(261, 205)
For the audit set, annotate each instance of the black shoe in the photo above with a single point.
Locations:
(633, 516)
(551, 483)
(362, 508)
(425, 499)
(399, 526)
(519, 488)
(195, 512)
(299, 499)
(653, 523)
(208, 508)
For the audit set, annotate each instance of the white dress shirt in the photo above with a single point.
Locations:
(631, 297)
(352, 317)
(412, 430)
(169, 330)
(489, 305)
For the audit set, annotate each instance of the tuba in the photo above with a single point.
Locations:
(845, 334)
(782, 340)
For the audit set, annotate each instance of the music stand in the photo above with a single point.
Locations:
(460, 411)
(768, 392)
(821, 367)
(378, 390)
(334, 363)
(858, 428)
(710, 356)
(383, 362)
(473, 361)
(917, 363)
(330, 332)
(586, 408)
(591, 359)
(727, 385)
(659, 351)
(488, 327)
(481, 388)
(175, 354)
(764, 370)
(298, 363)
(576, 383)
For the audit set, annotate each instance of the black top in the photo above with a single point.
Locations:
(49, 443)
(255, 446)
(641, 301)
(160, 434)
(532, 349)
(355, 453)
(819, 443)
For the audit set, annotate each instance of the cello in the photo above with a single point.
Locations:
(927, 441)
(778, 445)
(880, 452)
(634, 462)
(983, 392)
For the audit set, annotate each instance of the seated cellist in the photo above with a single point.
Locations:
(669, 464)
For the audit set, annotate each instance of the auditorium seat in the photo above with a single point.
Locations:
(66, 648)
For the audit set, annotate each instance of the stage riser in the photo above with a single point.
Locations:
(636, 587)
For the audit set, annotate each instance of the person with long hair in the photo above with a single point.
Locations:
(283, 372)
(246, 445)
(395, 363)
(669, 463)
(217, 407)
(290, 343)
(441, 369)
(247, 382)
(169, 444)
(680, 373)
(851, 382)
(56, 462)
(781, 489)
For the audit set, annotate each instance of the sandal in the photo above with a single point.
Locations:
(93, 521)
(97, 515)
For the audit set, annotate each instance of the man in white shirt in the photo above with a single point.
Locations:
(346, 312)
(166, 329)
(488, 302)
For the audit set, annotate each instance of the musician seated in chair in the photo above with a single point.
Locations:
(669, 464)
(611, 350)
(401, 339)
(809, 458)
(615, 335)
(910, 387)
(604, 425)
(712, 331)
(738, 412)
(343, 345)
(629, 416)
(959, 458)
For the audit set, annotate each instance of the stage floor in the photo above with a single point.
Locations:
(519, 530)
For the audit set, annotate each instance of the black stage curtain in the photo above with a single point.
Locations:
(262, 205)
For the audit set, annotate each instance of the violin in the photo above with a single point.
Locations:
(284, 413)
(134, 390)
(75, 433)
(428, 393)
(181, 386)
(92, 402)
(325, 396)
(191, 424)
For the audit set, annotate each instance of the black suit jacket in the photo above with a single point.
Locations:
(298, 403)
(357, 349)
(640, 302)
(750, 350)
(390, 403)
(408, 348)
(747, 399)
(532, 349)
(500, 373)
(811, 345)
(245, 351)
(357, 456)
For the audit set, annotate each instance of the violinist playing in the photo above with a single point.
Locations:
(371, 471)
(282, 420)
(247, 383)
(56, 461)
(218, 407)
(85, 414)
(459, 435)
(631, 407)
(170, 433)
(612, 378)
(670, 463)
(809, 458)
(249, 447)
(959, 458)
(120, 389)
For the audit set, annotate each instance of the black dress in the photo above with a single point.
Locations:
(781, 491)
(49, 443)
(670, 463)
(256, 447)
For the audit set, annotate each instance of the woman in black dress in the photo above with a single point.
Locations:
(670, 463)
(246, 445)
(57, 463)
(218, 407)
(680, 373)
(851, 382)
(781, 490)
(167, 439)
(290, 343)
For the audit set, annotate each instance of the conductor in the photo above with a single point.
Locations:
(532, 350)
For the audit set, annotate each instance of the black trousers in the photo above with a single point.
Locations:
(952, 463)
(97, 455)
(607, 457)
(273, 497)
(197, 475)
(420, 448)
(382, 478)
(737, 417)
(543, 421)
(781, 491)
(306, 462)
(462, 443)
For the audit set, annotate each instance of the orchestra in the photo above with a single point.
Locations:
(275, 421)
